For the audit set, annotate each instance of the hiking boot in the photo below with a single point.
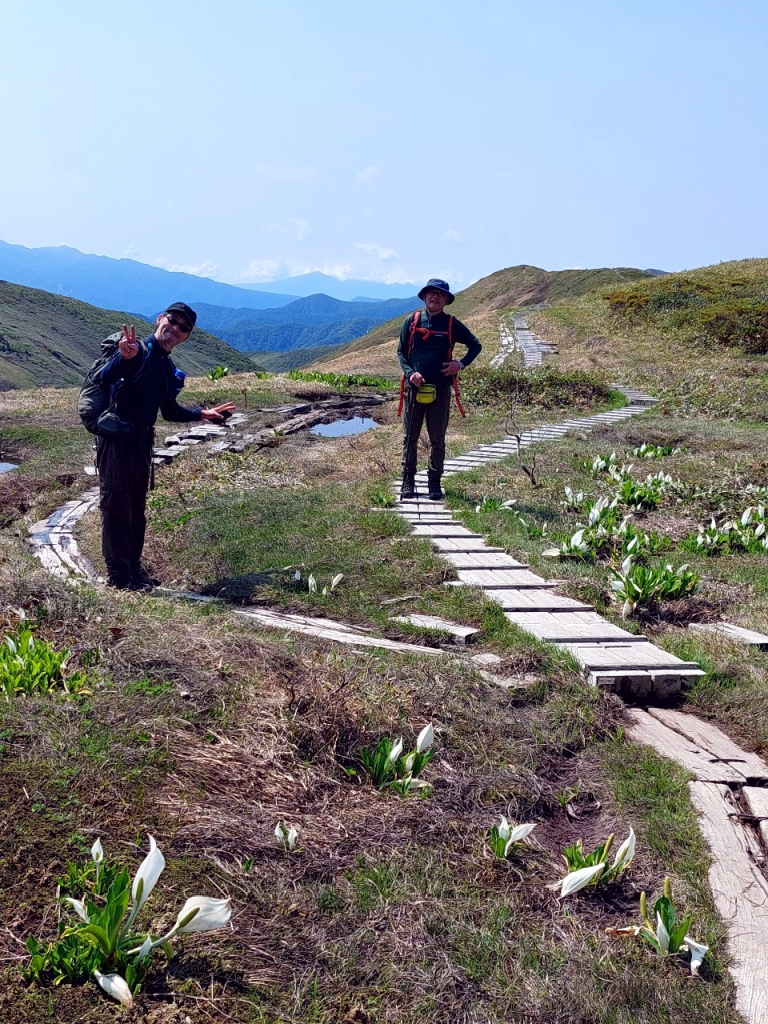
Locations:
(435, 490)
(122, 583)
(141, 577)
(408, 487)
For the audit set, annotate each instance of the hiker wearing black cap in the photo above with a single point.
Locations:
(429, 370)
(143, 382)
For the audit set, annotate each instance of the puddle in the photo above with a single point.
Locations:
(343, 428)
(6, 466)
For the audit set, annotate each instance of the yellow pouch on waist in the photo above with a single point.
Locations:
(426, 393)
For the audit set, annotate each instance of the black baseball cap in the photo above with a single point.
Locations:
(442, 286)
(183, 310)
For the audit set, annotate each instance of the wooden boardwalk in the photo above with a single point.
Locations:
(612, 657)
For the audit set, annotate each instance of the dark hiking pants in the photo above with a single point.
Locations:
(124, 466)
(436, 415)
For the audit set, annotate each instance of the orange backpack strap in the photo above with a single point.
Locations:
(455, 376)
(414, 328)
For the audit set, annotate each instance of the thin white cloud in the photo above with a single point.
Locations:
(454, 236)
(283, 172)
(380, 252)
(294, 226)
(263, 270)
(205, 269)
(368, 174)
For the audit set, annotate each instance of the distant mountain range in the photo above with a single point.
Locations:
(350, 291)
(309, 322)
(121, 284)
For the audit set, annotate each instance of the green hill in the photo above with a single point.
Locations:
(513, 287)
(50, 341)
(687, 337)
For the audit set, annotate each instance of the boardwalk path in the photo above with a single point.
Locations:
(730, 791)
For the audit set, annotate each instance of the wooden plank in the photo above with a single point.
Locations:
(740, 891)
(466, 544)
(709, 738)
(518, 600)
(448, 530)
(635, 686)
(748, 637)
(492, 560)
(756, 800)
(571, 627)
(338, 635)
(490, 578)
(461, 633)
(626, 656)
(648, 729)
(523, 579)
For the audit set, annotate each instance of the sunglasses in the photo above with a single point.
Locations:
(182, 325)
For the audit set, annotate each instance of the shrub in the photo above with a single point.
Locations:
(547, 388)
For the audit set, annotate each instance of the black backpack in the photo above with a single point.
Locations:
(96, 399)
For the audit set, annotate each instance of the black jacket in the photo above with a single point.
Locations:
(154, 392)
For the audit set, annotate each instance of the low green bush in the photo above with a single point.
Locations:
(546, 388)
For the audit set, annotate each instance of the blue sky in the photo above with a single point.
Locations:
(392, 140)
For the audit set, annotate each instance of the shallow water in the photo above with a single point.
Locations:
(343, 428)
(5, 466)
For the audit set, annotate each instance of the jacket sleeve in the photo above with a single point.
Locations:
(175, 413)
(463, 336)
(121, 369)
(402, 348)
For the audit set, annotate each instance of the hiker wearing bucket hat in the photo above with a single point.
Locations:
(429, 370)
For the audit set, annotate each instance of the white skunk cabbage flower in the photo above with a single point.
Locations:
(116, 987)
(312, 584)
(337, 580)
(204, 914)
(409, 761)
(145, 948)
(504, 829)
(79, 908)
(576, 880)
(625, 853)
(518, 832)
(698, 952)
(146, 878)
(425, 739)
(396, 751)
(287, 837)
(97, 852)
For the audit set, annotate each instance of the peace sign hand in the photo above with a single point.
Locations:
(129, 347)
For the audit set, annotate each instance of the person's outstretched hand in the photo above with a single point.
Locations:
(129, 347)
(218, 414)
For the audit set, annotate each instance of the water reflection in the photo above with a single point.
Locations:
(5, 466)
(343, 428)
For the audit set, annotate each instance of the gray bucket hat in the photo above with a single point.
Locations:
(442, 286)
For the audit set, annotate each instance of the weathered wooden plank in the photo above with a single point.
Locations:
(648, 729)
(523, 579)
(748, 637)
(491, 560)
(626, 656)
(571, 627)
(635, 686)
(756, 800)
(466, 544)
(518, 600)
(449, 530)
(719, 747)
(462, 633)
(740, 891)
(490, 578)
(339, 634)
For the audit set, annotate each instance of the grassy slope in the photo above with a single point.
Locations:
(206, 733)
(478, 307)
(668, 347)
(50, 341)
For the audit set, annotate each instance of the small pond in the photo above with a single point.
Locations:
(5, 466)
(343, 428)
